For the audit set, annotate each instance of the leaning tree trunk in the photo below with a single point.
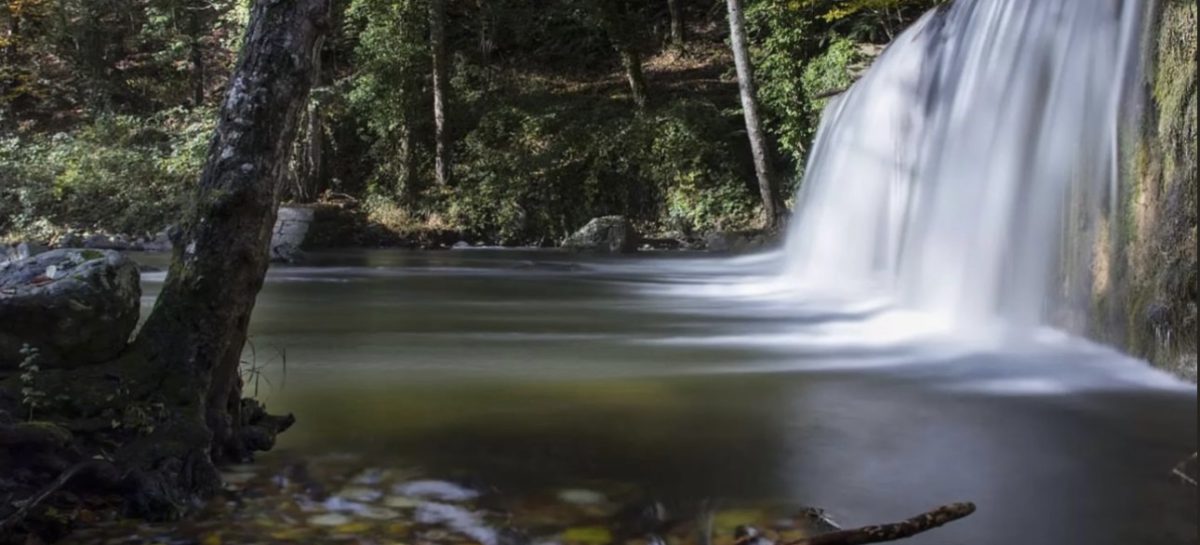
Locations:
(772, 203)
(437, 40)
(193, 338)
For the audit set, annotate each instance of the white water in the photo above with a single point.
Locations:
(942, 179)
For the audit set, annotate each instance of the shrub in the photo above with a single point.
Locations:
(117, 174)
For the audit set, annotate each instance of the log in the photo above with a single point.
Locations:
(894, 531)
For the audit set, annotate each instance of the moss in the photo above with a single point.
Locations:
(1151, 307)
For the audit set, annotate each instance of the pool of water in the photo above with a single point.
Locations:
(694, 382)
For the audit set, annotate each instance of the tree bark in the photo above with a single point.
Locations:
(314, 136)
(437, 40)
(678, 32)
(632, 62)
(767, 186)
(618, 26)
(197, 55)
(192, 341)
(487, 31)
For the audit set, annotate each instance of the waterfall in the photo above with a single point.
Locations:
(948, 174)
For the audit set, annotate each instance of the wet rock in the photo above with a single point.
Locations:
(604, 234)
(580, 496)
(435, 490)
(461, 245)
(75, 307)
(735, 241)
(329, 519)
(749, 535)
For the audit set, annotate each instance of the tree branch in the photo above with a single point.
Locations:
(891, 532)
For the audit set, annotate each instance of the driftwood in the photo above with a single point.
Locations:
(891, 532)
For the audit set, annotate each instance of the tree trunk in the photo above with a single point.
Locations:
(437, 40)
(615, 18)
(314, 136)
(632, 62)
(197, 57)
(678, 33)
(768, 189)
(487, 31)
(193, 339)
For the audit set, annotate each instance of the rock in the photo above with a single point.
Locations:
(76, 307)
(291, 229)
(68, 240)
(160, 243)
(604, 234)
(461, 245)
(101, 241)
(735, 241)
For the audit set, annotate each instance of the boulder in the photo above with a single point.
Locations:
(291, 230)
(735, 241)
(604, 234)
(76, 307)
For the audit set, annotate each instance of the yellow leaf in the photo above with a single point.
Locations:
(212, 539)
(587, 535)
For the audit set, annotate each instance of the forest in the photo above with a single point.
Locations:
(598, 272)
(502, 122)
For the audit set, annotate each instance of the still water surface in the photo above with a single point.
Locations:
(532, 369)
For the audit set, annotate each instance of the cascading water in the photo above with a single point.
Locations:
(943, 177)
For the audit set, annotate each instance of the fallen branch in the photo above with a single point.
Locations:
(33, 501)
(891, 532)
(1180, 469)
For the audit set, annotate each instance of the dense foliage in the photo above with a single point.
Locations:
(105, 108)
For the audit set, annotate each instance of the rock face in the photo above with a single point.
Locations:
(1145, 276)
(604, 234)
(291, 228)
(76, 307)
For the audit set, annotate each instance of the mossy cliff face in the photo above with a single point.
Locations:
(1145, 283)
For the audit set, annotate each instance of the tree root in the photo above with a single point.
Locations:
(27, 505)
(894, 531)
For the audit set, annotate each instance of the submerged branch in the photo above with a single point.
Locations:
(891, 532)
(1180, 469)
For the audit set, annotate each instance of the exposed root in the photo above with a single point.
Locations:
(27, 505)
